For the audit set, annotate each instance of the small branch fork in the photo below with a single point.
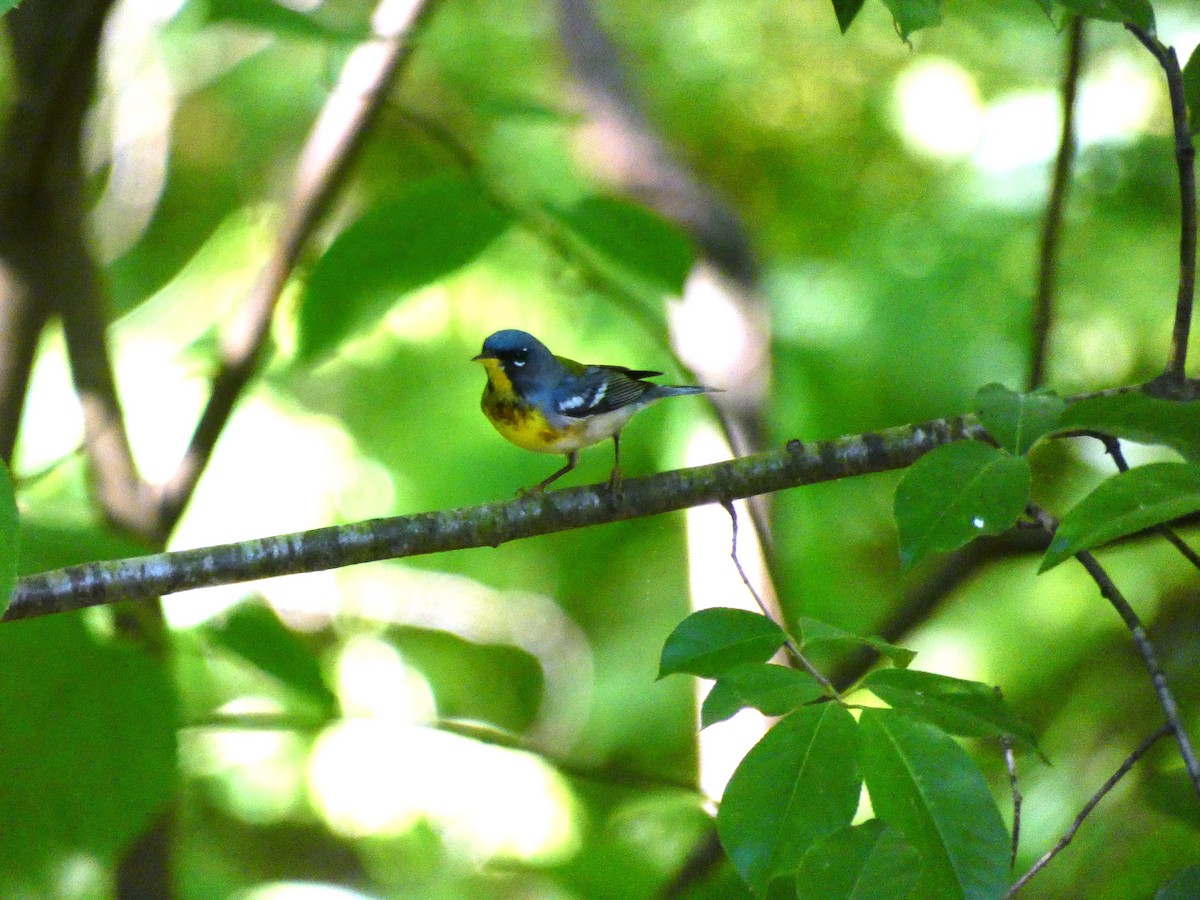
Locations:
(1185, 158)
(1110, 591)
(1108, 785)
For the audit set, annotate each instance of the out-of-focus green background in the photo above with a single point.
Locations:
(893, 195)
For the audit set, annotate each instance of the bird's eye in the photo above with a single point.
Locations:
(518, 356)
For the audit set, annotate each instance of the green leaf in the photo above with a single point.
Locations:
(254, 632)
(846, 10)
(710, 642)
(6, 5)
(1125, 504)
(956, 493)
(437, 227)
(773, 690)
(797, 784)
(89, 744)
(1184, 885)
(9, 537)
(813, 633)
(634, 239)
(1191, 90)
(965, 708)
(866, 862)
(924, 784)
(913, 15)
(1139, 417)
(1017, 421)
(1135, 12)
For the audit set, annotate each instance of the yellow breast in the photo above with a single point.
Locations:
(519, 422)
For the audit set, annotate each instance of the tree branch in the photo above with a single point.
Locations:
(1043, 307)
(489, 525)
(332, 146)
(1108, 785)
(1185, 158)
(1110, 592)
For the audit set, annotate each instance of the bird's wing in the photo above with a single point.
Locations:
(600, 389)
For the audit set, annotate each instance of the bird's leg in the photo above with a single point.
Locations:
(572, 458)
(614, 480)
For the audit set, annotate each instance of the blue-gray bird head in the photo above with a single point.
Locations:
(526, 361)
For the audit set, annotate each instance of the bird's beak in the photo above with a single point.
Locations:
(480, 358)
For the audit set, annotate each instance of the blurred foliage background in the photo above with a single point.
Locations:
(362, 729)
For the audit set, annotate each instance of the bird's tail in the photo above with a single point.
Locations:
(681, 390)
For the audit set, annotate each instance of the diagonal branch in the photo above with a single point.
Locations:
(1110, 592)
(1108, 785)
(1185, 158)
(332, 146)
(1043, 306)
(489, 525)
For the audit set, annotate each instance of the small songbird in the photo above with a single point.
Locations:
(550, 404)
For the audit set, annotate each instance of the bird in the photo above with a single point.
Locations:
(550, 404)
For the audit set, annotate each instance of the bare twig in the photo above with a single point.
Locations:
(1043, 307)
(793, 650)
(1010, 763)
(1185, 158)
(1108, 785)
(332, 146)
(1110, 591)
(481, 526)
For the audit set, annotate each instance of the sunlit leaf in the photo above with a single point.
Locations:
(9, 537)
(1135, 12)
(797, 784)
(89, 744)
(634, 239)
(924, 784)
(436, 228)
(254, 632)
(1191, 90)
(1139, 417)
(866, 862)
(710, 642)
(846, 10)
(813, 634)
(1125, 504)
(1017, 421)
(773, 690)
(913, 15)
(957, 493)
(965, 708)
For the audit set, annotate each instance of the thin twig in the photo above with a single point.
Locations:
(332, 145)
(1110, 591)
(792, 648)
(1010, 763)
(1043, 307)
(1185, 159)
(1108, 785)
